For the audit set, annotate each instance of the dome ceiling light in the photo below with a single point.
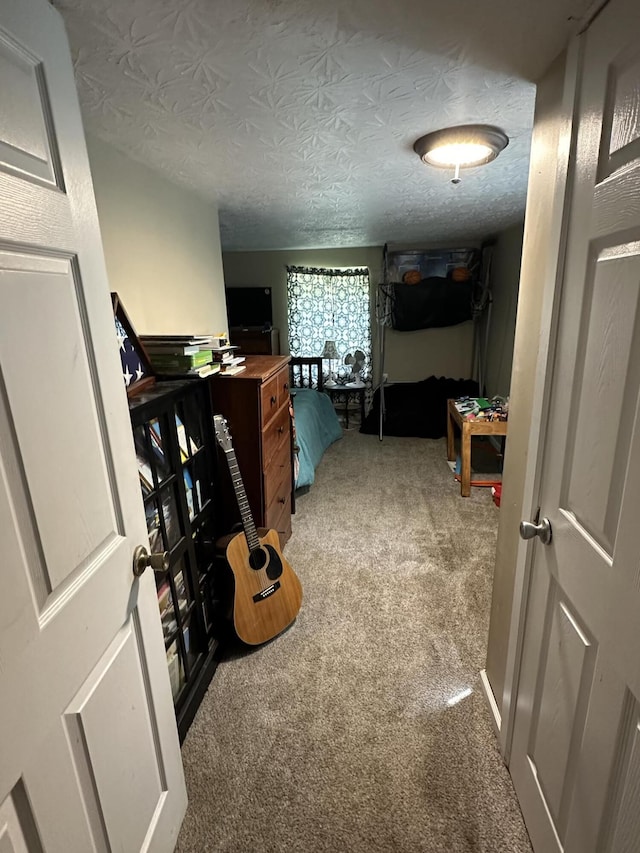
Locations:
(461, 147)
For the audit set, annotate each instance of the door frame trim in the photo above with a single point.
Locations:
(552, 282)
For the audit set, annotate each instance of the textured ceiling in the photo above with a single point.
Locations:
(298, 117)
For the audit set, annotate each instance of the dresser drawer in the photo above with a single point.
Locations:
(283, 525)
(269, 401)
(274, 434)
(277, 471)
(278, 503)
(282, 379)
(278, 515)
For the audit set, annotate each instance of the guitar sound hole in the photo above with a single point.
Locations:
(267, 556)
(258, 559)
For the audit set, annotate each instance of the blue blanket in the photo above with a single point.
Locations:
(317, 427)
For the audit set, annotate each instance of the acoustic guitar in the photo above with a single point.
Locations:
(267, 594)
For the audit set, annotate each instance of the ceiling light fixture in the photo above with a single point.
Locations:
(461, 147)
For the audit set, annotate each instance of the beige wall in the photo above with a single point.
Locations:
(542, 234)
(410, 356)
(161, 245)
(268, 269)
(505, 276)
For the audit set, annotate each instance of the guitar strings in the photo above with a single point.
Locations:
(243, 504)
(245, 512)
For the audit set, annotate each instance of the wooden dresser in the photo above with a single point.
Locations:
(255, 404)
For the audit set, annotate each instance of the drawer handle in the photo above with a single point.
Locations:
(286, 386)
(274, 401)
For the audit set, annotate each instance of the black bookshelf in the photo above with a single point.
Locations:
(175, 451)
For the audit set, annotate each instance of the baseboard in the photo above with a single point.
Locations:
(496, 717)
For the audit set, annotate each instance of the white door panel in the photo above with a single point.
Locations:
(33, 291)
(118, 680)
(17, 829)
(623, 830)
(88, 737)
(26, 145)
(575, 759)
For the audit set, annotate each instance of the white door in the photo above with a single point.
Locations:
(575, 758)
(89, 753)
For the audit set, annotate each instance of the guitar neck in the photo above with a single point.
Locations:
(248, 524)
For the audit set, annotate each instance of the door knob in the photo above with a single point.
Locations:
(142, 558)
(541, 530)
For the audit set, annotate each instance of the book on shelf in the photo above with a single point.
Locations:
(171, 524)
(196, 359)
(173, 349)
(164, 597)
(188, 488)
(145, 482)
(183, 344)
(177, 340)
(209, 369)
(182, 439)
(144, 472)
(192, 373)
(175, 669)
(156, 437)
(153, 527)
(233, 369)
(223, 353)
(181, 594)
(185, 442)
(206, 370)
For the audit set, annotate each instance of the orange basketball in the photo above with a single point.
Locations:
(411, 277)
(461, 274)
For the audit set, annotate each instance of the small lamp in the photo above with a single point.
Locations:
(330, 352)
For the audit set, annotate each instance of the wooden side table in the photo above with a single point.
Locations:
(344, 393)
(467, 429)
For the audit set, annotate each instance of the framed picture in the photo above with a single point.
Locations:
(137, 372)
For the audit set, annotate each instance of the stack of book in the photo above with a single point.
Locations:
(182, 355)
(228, 363)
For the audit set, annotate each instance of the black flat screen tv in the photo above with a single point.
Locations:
(249, 307)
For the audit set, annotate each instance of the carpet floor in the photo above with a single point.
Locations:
(363, 728)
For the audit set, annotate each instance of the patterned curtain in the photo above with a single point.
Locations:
(330, 304)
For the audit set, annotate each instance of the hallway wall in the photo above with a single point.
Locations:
(161, 246)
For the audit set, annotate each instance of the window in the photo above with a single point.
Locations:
(330, 304)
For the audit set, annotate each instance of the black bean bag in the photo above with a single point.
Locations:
(417, 408)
